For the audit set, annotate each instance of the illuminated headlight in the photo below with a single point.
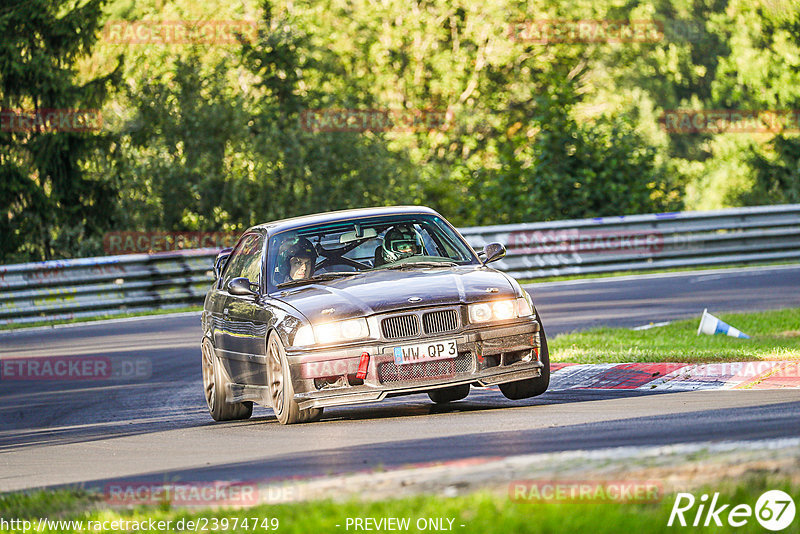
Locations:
(504, 309)
(304, 336)
(354, 329)
(500, 310)
(328, 333)
(479, 313)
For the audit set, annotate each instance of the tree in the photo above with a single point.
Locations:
(300, 170)
(203, 153)
(50, 202)
(777, 173)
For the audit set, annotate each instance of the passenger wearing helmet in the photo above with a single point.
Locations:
(401, 241)
(296, 260)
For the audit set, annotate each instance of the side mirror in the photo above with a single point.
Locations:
(493, 252)
(221, 260)
(242, 287)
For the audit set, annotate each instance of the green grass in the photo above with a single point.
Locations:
(60, 503)
(775, 336)
(480, 512)
(567, 277)
(101, 317)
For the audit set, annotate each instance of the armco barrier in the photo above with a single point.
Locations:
(641, 242)
(117, 284)
(68, 289)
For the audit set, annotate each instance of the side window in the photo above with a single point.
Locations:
(245, 260)
(252, 267)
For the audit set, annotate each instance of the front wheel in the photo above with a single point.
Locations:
(281, 391)
(214, 387)
(531, 387)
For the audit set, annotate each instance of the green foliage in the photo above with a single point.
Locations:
(296, 170)
(51, 204)
(210, 136)
(568, 170)
(201, 155)
(777, 175)
(173, 160)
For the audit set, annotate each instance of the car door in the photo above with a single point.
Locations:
(241, 343)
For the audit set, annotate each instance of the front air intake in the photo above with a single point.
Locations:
(400, 326)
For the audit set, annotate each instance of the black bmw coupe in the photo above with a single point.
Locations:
(354, 306)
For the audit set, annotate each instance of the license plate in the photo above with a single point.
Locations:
(425, 352)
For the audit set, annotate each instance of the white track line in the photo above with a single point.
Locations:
(720, 272)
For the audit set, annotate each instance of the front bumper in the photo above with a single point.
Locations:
(487, 355)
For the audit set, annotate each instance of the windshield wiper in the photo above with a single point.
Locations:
(424, 264)
(318, 278)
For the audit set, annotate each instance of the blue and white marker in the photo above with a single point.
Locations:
(711, 325)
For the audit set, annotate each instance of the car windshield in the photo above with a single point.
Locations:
(347, 247)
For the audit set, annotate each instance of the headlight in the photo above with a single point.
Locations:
(504, 309)
(499, 310)
(479, 313)
(304, 336)
(324, 334)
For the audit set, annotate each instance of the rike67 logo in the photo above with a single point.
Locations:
(774, 510)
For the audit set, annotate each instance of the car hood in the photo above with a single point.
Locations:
(390, 290)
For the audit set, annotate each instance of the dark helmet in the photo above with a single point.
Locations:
(294, 247)
(400, 242)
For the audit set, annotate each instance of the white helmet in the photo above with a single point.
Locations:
(400, 242)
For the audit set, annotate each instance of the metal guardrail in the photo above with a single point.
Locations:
(641, 242)
(111, 285)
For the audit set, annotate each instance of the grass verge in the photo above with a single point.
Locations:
(775, 335)
(481, 512)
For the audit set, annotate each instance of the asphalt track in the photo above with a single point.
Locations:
(88, 432)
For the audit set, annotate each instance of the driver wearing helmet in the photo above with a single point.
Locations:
(296, 260)
(401, 241)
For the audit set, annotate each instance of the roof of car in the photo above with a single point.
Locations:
(331, 216)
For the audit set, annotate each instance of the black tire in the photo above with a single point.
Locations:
(281, 391)
(524, 389)
(444, 395)
(215, 391)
